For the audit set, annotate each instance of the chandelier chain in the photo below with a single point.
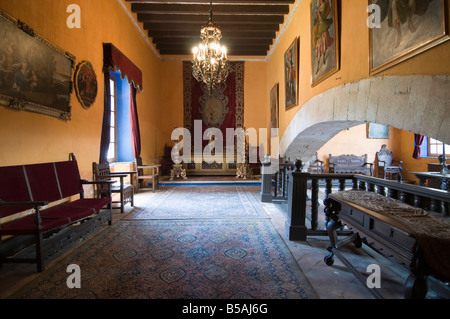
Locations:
(209, 64)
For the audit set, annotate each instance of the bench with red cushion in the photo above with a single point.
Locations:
(31, 188)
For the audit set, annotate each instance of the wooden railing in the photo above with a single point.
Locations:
(275, 181)
(434, 200)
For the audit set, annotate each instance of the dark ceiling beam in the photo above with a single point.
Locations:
(235, 53)
(260, 2)
(225, 34)
(202, 19)
(188, 47)
(189, 41)
(217, 9)
(195, 27)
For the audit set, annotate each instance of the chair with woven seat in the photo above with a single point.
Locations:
(102, 172)
(147, 172)
(388, 168)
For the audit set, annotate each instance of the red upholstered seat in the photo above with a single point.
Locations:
(27, 187)
(48, 191)
(27, 226)
(95, 203)
(69, 178)
(13, 188)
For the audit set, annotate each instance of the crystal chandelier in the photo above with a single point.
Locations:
(209, 64)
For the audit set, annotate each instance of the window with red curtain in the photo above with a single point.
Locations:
(113, 61)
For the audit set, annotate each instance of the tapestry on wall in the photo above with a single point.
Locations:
(222, 108)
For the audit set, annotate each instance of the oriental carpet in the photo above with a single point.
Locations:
(194, 202)
(184, 258)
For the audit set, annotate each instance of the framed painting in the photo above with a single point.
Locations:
(35, 75)
(406, 28)
(377, 130)
(274, 107)
(325, 40)
(291, 74)
(85, 84)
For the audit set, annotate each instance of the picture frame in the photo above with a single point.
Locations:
(291, 69)
(274, 107)
(36, 75)
(325, 42)
(86, 86)
(405, 33)
(375, 130)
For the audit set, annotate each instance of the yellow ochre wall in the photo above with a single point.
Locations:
(255, 97)
(354, 66)
(32, 138)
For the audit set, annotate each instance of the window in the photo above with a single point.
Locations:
(435, 147)
(120, 149)
(112, 150)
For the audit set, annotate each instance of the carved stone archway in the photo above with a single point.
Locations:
(419, 104)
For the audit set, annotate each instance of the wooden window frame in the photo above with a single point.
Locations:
(433, 141)
(113, 125)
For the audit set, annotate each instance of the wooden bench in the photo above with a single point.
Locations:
(410, 236)
(53, 195)
(349, 163)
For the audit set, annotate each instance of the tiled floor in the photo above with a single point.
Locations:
(330, 282)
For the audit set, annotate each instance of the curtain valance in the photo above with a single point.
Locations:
(114, 60)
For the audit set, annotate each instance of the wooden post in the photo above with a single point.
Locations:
(266, 183)
(295, 224)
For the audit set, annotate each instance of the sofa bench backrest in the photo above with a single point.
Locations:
(46, 182)
(348, 160)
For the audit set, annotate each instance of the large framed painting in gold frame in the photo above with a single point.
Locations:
(407, 28)
(291, 74)
(35, 74)
(324, 40)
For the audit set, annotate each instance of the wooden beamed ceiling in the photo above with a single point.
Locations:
(249, 27)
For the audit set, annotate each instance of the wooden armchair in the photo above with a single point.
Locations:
(316, 165)
(147, 172)
(102, 172)
(388, 168)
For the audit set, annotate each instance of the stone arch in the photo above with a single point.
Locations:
(419, 104)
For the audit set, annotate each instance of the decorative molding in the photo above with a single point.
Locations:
(138, 28)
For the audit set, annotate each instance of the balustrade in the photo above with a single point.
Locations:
(291, 184)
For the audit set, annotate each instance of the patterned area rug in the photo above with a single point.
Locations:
(223, 245)
(179, 260)
(203, 202)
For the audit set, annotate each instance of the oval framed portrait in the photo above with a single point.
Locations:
(85, 84)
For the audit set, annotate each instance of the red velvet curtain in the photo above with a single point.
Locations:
(135, 131)
(418, 140)
(104, 141)
(114, 60)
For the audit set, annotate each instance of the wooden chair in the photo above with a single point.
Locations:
(316, 165)
(102, 172)
(147, 172)
(388, 168)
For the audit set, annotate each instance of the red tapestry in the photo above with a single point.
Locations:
(222, 108)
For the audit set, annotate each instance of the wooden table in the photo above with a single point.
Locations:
(444, 179)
